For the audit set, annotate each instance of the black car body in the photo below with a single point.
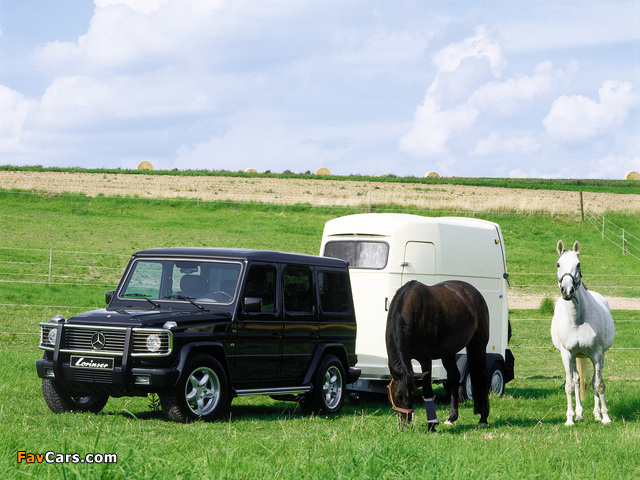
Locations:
(200, 326)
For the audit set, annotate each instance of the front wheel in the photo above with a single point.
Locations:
(329, 388)
(59, 401)
(201, 393)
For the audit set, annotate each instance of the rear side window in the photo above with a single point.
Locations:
(298, 289)
(334, 292)
(359, 254)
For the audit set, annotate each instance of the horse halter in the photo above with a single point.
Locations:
(575, 280)
(407, 411)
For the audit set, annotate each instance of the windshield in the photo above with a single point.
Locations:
(359, 254)
(201, 281)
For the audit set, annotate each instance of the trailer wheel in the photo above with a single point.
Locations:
(329, 388)
(59, 401)
(466, 391)
(496, 379)
(201, 393)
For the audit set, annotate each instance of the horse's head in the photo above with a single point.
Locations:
(402, 394)
(569, 273)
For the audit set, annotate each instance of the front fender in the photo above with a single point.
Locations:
(214, 349)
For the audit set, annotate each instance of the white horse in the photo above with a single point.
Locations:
(582, 327)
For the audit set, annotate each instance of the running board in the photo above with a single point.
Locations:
(274, 391)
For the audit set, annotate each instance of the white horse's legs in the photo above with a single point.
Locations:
(600, 410)
(571, 387)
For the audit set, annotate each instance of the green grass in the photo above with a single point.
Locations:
(265, 438)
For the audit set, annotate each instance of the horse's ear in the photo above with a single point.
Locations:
(560, 247)
(576, 247)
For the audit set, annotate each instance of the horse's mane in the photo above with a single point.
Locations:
(398, 364)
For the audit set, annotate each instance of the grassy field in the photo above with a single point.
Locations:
(265, 438)
(588, 185)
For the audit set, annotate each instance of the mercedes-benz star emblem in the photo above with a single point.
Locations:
(98, 341)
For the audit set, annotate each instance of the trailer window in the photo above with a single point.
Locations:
(359, 254)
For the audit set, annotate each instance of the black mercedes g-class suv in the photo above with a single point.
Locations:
(200, 326)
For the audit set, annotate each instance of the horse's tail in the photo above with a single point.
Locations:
(581, 366)
(477, 360)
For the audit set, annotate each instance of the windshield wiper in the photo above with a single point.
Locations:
(188, 299)
(142, 295)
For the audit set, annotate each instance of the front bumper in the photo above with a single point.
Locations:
(115, 382)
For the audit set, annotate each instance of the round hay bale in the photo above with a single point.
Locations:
(145, 166)
(632, 175)
(323, 171)
(432, 175)
(251, 170)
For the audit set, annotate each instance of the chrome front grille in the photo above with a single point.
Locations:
(111, 341)
(83, 340)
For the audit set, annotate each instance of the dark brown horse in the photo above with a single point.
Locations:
(427, 323)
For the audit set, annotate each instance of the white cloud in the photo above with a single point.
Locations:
(613, 166)
(515, 145)
(509, 96)
(578, 118)
(433, 128)
(457, 64)
(268, 140)
(14, 109)
(481, 45)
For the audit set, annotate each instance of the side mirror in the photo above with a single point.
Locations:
(109, 295)
(252, 304)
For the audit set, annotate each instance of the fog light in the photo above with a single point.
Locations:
(153, 343)
(142, 380)
(48, 372)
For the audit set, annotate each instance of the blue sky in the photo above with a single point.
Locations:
(495, 89)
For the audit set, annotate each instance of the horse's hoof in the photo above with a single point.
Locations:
(569, 423)
(448, 422)
(431, 427)
(579, 418)
(606, 420)
(483, 424)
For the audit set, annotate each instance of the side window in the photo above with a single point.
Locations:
(261, 283)
(334, 292)
(298, 289)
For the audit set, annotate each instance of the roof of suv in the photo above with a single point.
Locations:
(243, 253)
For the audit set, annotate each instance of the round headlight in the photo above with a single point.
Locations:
(153, 343)
(52, 335)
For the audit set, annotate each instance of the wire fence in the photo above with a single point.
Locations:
(619, 236)
(66, 269)
(60, 267)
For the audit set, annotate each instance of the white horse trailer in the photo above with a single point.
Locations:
(386, 250)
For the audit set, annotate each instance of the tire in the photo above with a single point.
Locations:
(59, 401)
(496, 379)
(329, 388)
(466, 391)
(202, 392)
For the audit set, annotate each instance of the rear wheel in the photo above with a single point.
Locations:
(59, 401)
(201, 393)
(329, 388)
